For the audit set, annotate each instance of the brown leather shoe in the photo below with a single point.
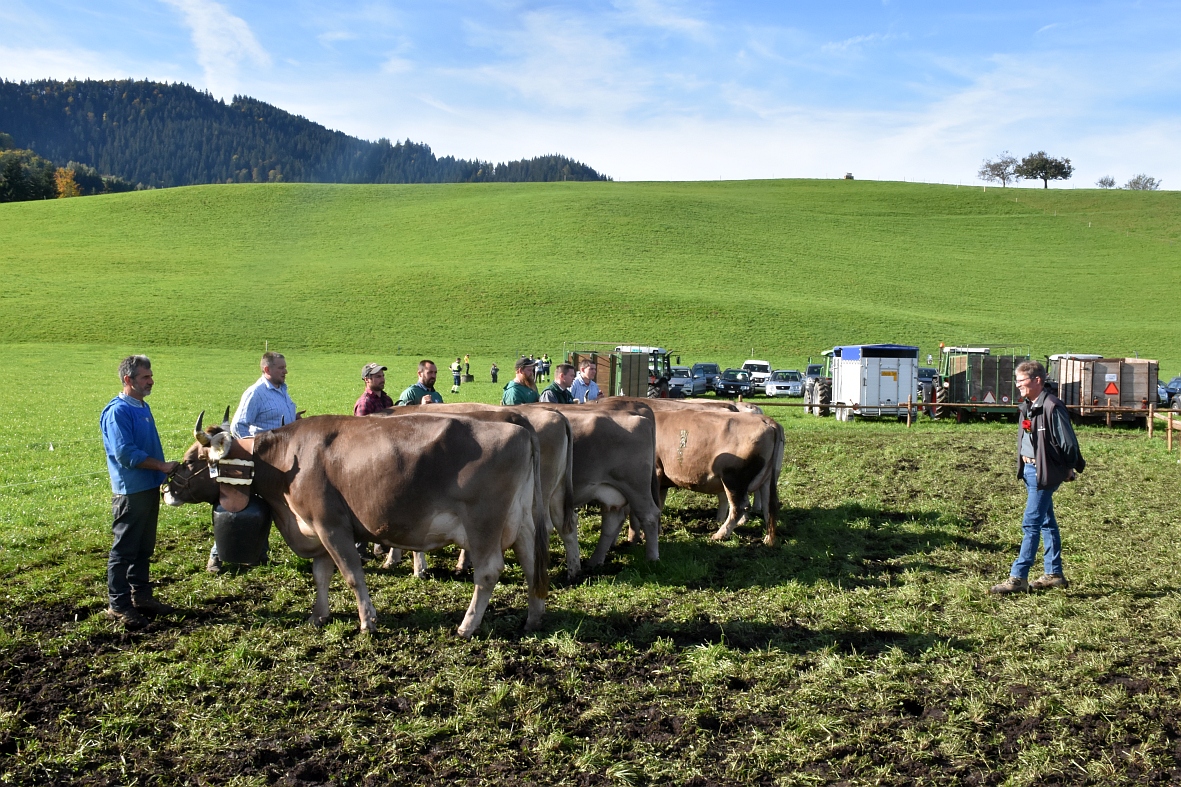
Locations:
(1047, 581)
(152, 606)
(130, 618)
(1010, 585)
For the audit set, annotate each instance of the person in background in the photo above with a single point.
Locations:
(494, 371)
(558, 392)
(467, 365)
(375, 399)
(522, 388)
(584, 388)
(135, 462)
(1047, 455)
(423, 391)
(456, 368)
(264, 406)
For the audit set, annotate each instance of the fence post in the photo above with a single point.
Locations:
(908, 402)
(1151, 418)
(1169, 436)
(1109, 411)
(740, 398)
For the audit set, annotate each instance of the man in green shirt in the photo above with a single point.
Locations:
(522, 389)
(423, 391)
(558, 391)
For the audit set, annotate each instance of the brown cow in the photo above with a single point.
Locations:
(720, 453)
(614, 465)
(418, 483)
(557, 458)
(763, 492)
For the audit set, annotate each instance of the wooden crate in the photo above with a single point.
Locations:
(1106, 382)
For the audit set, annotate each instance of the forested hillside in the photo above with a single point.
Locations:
(163, 135)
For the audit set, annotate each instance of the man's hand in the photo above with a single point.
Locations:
(1073, 475)
(168, 468)
(426, 400)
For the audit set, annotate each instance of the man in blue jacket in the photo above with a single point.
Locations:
(135, 461)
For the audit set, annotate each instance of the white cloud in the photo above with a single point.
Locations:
(662, 15)
(396, 65)
(223, 41)
(561, 61)
(29, 64)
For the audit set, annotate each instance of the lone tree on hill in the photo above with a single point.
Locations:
(1106, 182)
(1142, 183)
(1000, 171)
(1039, 166)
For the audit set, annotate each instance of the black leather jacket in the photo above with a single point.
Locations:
(1055, 447)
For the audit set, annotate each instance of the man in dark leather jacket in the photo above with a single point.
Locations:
(1047, 455)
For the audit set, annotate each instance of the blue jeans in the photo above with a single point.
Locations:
(1038, 522)
(134, 528)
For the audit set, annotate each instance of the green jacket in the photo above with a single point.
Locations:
(414, 394)
(557, 394)
(515, 393)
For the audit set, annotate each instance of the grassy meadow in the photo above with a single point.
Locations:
(786, 268)
(863, 648)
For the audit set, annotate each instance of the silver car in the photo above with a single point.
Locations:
(685, 382)
(785, 382)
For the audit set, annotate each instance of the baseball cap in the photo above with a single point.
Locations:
(371, 369)
(524, 362)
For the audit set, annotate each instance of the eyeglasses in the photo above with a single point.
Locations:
(1022, 380)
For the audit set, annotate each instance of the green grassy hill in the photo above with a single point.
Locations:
(784, 267)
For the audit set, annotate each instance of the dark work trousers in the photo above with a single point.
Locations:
(134, 529)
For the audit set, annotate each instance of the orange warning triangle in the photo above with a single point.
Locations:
(1111, 390)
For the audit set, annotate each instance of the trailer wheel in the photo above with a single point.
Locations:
(823, 396)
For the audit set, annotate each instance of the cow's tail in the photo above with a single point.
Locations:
(773, 503)
(540, 530)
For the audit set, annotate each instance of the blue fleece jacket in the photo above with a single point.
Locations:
(130, 437)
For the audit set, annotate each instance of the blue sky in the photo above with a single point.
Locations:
(664, 89)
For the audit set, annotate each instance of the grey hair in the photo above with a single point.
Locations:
(1032, 369)
(130, 366)
(270, 359)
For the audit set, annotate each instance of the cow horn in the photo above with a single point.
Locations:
(225, 419)
(200, 436)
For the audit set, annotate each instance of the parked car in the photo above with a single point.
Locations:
(685, 382)
(785, 382)
(734, 382)
(1168, 392)
(760, 372)
(710, 372)
(813, 371)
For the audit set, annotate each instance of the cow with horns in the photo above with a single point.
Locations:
(415, 482)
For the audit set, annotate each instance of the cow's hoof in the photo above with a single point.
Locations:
(719, 536)
(317, 622)
(769, 540)
(369, 631)
(466, 633)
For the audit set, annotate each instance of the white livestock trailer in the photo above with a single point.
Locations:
(873, 379)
